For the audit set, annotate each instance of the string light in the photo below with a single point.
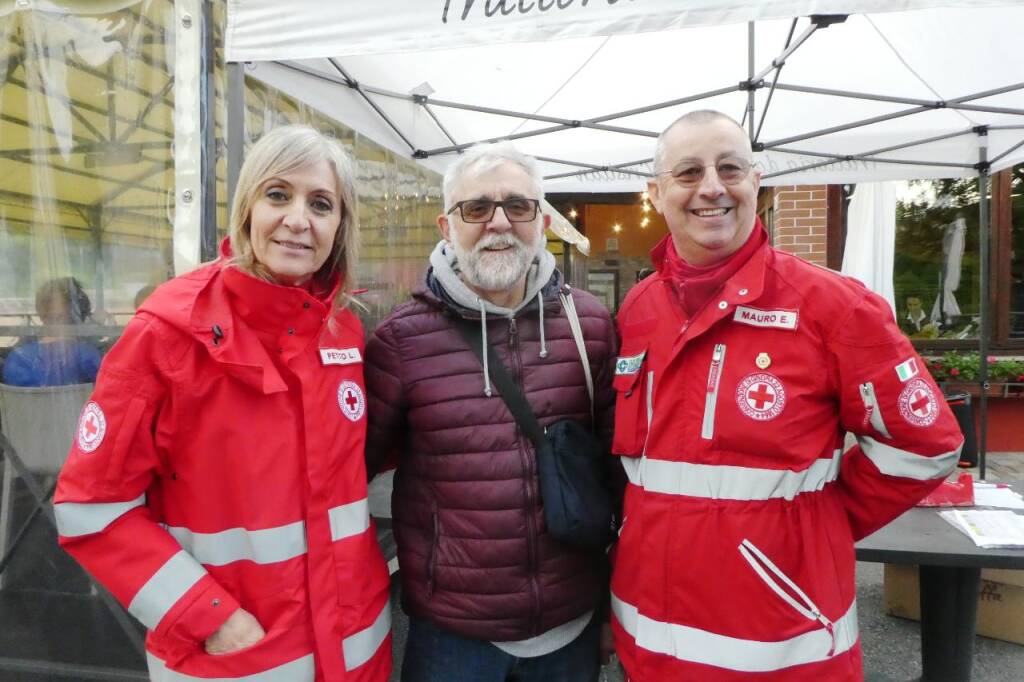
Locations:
(616, 228)
(645, 222)
(573, 213)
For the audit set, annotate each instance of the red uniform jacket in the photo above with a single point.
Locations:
(736, 557)
(220, 463)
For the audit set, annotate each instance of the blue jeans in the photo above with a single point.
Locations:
(436, 655)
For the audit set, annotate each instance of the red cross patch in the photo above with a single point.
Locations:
(92, 425)
(761, 396)
(918, 405)
(351, 400)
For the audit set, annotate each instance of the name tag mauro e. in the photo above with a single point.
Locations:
(779, 319)
(340, 356)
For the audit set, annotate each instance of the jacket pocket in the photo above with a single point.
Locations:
(634, 389)
(361, 570)
(787, 590)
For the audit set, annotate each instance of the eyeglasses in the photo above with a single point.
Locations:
(482, 210)
(730, 171)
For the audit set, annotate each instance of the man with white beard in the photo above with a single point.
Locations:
(490, 594)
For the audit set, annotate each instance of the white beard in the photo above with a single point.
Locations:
(495, 271)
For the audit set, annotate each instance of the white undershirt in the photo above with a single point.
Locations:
(544, 643)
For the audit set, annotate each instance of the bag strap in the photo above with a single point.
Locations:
(510, 393)
(577, 334)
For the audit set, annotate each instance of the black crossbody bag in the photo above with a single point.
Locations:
(570, 459)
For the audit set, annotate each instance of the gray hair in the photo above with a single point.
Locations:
(283, 150)
(698, 117)
(481, 158)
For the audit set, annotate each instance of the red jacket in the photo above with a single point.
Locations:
(736, 557)
(219, 464)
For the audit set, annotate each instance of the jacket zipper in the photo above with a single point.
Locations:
(707, 431)
(531, 495)
(650, 410)
(872, 411)
(432, 564)
(763, 566)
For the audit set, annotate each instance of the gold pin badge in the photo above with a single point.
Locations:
(763, 361)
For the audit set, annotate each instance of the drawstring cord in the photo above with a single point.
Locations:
(483, 351)
(543, 344)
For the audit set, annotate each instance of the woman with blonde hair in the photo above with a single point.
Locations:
(216, 484)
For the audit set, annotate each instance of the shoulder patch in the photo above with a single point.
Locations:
(918, 404)
(92, 426)
(630, 364)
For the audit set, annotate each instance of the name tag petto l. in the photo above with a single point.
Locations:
(340, 356)
(780, 319)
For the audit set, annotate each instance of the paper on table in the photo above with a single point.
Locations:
(988, 528)
(985, 496)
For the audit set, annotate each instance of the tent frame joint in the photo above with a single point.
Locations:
(749, 85)
(826, 20)
(980, 130)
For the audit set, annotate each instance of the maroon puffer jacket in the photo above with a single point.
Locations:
(473, 547)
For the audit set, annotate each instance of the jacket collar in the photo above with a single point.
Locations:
(743, 288)
(234, 312)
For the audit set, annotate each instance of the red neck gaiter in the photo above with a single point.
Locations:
(696, 285)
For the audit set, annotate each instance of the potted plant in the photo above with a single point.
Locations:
(958, 371)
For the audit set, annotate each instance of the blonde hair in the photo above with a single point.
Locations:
(281, 151)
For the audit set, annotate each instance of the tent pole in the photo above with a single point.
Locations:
(749, 116)
(958, 103)
(235, 97)
(983, 168)
(208, 131)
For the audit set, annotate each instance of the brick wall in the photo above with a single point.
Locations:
(801, 221)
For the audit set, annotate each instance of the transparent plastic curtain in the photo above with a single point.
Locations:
(86, 218)
(399, 201)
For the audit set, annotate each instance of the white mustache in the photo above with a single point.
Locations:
(498, 240)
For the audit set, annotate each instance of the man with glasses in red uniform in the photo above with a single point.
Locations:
(741, 370)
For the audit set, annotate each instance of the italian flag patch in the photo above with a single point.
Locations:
(907, 370)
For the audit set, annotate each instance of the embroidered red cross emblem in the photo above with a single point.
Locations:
(351, 400)
(90, 425)
(762, 396)
(919, 403)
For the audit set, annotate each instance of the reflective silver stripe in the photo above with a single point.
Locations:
(650, 401)
(633, 466)
(725, 482)
(163, 590)
(300, 670)
(349, 519)
(360, 647)
(708, 648)
(871, 406)
(894, 462)
(75, 519)
(264, 546)
(707, 429)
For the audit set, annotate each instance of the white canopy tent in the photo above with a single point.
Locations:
(831, 91)
(875, 95)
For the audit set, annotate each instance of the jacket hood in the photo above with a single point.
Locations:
(444, 280)
(198, 304)
(445, 289)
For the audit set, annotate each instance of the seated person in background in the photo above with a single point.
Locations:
(55, 360)
(915, 323)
